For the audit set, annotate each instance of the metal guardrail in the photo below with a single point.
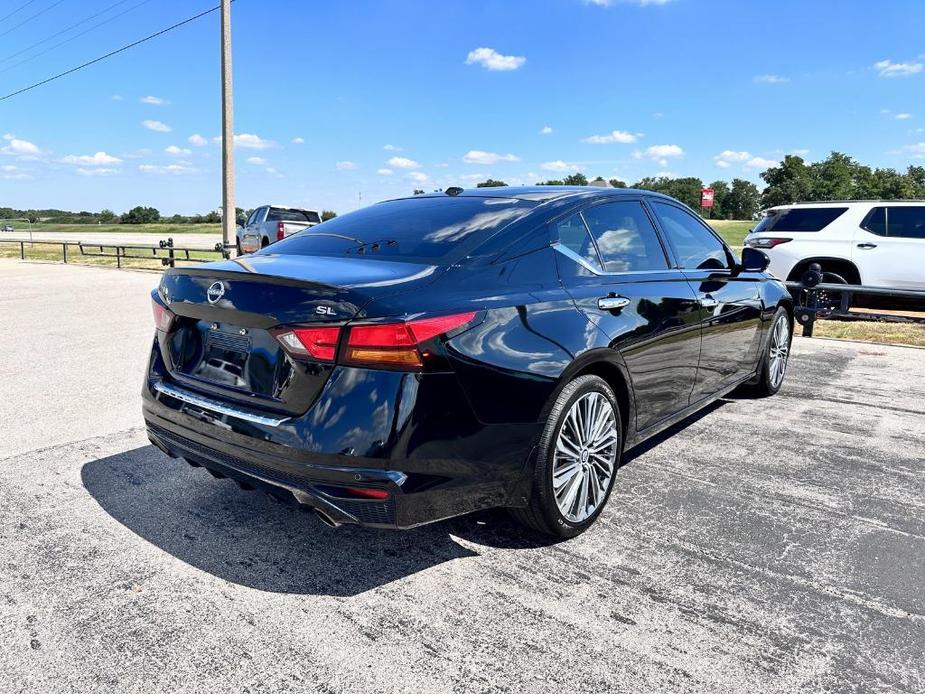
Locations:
(815, 301)
(165, 251)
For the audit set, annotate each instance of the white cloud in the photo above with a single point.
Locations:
(666, 174)
(559, 165)
(620, 136)
(664, 151)
(771, 79)
(97, 172)
(641, 3)
(178, 151)
(476, 156)
(385, 172)
(760, 163)
(22, 149)
(14, 173)
(273, 172)
(418, 177)
(298, 141)
(251, 141)
(156, 126)
(728, 157)
(917, 150)
(799, 152)
(116, 97)
(345, 166)
(153, 100)
(98, 159)
(391, 148)
(723, 164)
(887, 68)
(197, 140)
(257, 161)
(490, 59)
(658, 114)
(177, 169)
(547, 130)
(403, 163)
(903, 116)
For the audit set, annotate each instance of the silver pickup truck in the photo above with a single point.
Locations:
(273, 223)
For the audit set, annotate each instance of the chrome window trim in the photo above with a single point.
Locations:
(216, 406)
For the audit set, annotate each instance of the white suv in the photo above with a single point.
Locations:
(876, 243)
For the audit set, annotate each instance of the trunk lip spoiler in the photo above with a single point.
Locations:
(212, 405)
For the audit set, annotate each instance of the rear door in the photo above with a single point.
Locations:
(890, 247)
(614, 266)
(730, 302)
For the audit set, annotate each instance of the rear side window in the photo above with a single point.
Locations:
(426, 229)
(695, 246)
(899, 222)
(573, 234)
(800, 219)
(625, 238)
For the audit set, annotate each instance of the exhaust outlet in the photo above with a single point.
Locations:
(326, 519)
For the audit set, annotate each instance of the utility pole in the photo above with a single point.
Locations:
(229, 213)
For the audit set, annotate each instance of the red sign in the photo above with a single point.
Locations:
(706, 197)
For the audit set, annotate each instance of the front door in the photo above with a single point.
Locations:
(613, 265)
(889, 247)
(730, 302)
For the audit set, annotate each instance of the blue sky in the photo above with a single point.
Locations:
(338, 100)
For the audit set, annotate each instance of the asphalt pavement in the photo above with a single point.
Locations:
(772, 545)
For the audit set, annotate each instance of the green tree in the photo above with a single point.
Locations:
(720, 191)
(687, 189)
(550, 183)
(490, 183)
(327, 214)
(790, 181)
(742, 201)
(616, 183)
(576, 179)
(107, 216)
(141, 215)
(837, 177)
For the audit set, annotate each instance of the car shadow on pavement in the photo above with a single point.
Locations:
(251, 539)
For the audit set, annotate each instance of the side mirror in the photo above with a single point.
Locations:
(754, 260)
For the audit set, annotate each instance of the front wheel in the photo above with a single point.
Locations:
(773, 366)
(577, 459)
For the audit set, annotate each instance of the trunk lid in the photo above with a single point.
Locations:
(228, 312)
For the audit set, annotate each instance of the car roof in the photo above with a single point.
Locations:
(844, 203)
(540, 193)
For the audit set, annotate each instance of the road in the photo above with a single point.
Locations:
(774, 545)
(199, 241)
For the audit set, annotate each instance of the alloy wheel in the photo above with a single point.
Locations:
(779, 349)
(585, 457)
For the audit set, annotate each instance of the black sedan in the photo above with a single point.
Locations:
(435, 355)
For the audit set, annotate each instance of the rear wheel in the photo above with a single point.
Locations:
(577, 460)
(773, 367)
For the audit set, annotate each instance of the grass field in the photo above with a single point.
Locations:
(164, 229)
(733, 231)
(872, 331)
(52, 252)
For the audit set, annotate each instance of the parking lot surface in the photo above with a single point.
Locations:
(766, 545)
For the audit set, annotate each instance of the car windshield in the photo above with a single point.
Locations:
(433, 230)
(800, 219)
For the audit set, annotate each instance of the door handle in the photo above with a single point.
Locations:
(867, 245)
(612, 303)
(708, 302)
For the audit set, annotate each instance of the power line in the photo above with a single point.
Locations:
(62, 31)
(72, 38)
(29, 19)
(110, 54)
(21, 7)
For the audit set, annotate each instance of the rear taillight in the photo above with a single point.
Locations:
(399, 344)
(766, 242)
(163, 316)
(317, 343)
(280, 231)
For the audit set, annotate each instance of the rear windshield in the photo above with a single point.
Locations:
(800, 219)
(279, 214)
(428, 230)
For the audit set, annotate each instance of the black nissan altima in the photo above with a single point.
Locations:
(430, 356)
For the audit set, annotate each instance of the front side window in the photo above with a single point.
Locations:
(625, 238)
(695, 246)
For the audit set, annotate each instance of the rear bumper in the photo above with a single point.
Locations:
(419, 442)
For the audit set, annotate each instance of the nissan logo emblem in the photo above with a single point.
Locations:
(215, 292)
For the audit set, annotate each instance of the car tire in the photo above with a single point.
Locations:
(574, 470)
(773, 367)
